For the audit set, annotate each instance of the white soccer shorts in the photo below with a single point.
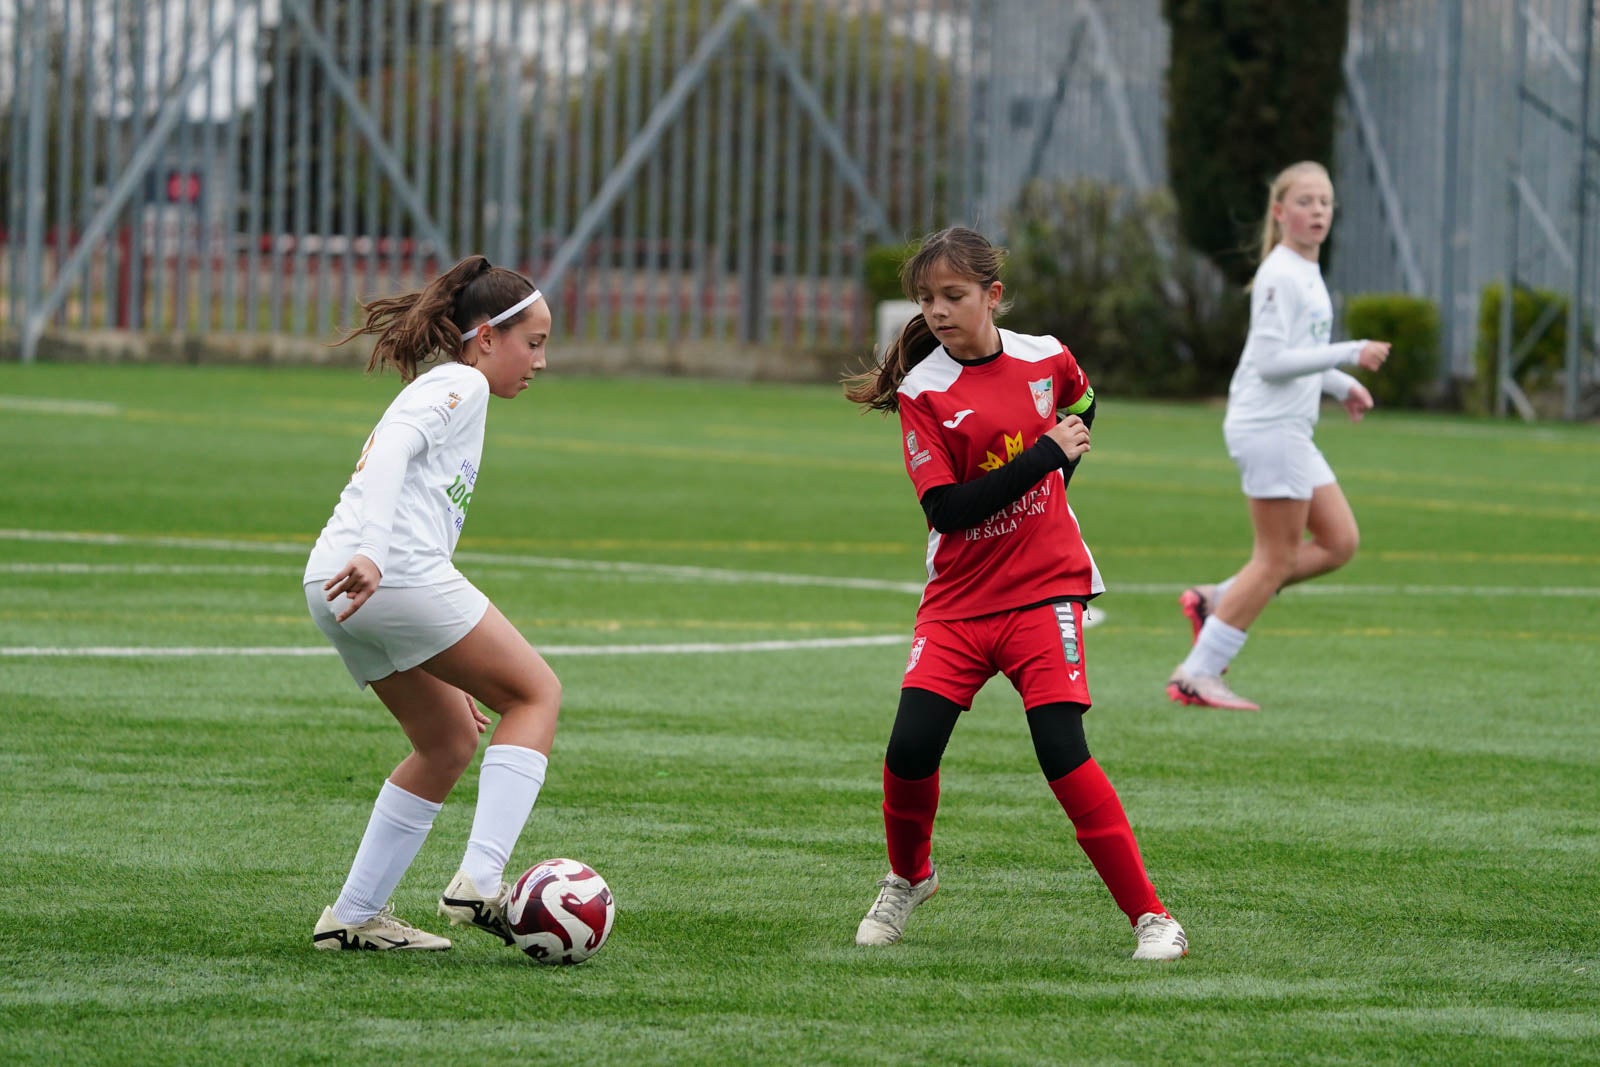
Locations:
(396, 629)
(1278, 463)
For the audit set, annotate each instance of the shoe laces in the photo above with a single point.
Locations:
(893, 903)
(1221, 689)
(1154, 929)
(387, 918)
(1206, 686)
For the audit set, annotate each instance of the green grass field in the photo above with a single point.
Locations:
(1394, 862)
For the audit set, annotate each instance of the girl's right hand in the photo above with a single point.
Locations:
(358, 581)
(1072, 435)
(1373, 353)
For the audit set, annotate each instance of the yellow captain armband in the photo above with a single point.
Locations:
(1082, 403)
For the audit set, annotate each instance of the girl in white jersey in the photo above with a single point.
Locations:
(380, 584)
(1273, 401)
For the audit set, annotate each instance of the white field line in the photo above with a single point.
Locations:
(695, 574)
(555, 563)
(43, 405)
(144, 568)
(648, 571)
(688, 648)
(1530, 592)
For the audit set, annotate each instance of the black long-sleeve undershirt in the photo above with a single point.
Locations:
(962, 506)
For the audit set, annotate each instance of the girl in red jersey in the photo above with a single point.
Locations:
(993, 425)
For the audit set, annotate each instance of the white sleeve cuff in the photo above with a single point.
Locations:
(1337, 384)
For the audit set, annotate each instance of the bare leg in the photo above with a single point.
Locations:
(1279, 526)
(443, 735)
(435, 719)
(496, 665)
(1334, 535)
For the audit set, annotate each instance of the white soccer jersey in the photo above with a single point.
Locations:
(1287, 361)
(447, 406)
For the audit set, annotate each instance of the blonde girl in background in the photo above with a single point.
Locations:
(1273, 403)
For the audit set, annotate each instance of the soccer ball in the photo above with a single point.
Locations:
(560, 911)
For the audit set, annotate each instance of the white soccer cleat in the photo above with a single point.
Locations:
(464, 905)
(1160, 938)
(381, 933)
(1206, 691)
(886, 919)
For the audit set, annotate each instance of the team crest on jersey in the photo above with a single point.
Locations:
(1044, 395)
(455, 398)
(911, 442)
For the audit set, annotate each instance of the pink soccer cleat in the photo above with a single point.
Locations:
(1206, 691)
(1196, 603)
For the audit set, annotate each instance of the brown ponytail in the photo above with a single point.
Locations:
(969, 254)
(878, 387)
(414, 327)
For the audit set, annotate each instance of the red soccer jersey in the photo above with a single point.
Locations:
(960, 422)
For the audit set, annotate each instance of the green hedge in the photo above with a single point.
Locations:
(880, 271)
(1411, 326)
(1105, 270)
(1541, 366)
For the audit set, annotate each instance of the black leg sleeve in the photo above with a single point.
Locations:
(1058, 738)
(922, 728)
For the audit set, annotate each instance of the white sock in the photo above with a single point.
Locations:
(1221, 587)
(508, 784)
(399, 825)
(1215, 649)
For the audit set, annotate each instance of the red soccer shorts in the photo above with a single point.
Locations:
(1040, 650)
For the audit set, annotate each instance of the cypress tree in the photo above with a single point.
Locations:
(1252, 86)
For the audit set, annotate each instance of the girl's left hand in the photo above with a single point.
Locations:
(1358, 402)
(479, 718)
(357, 582)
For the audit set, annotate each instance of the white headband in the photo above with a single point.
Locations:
(504, 315)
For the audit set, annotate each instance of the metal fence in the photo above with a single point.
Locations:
(1462, 164)
(696, 170)
(687, 168)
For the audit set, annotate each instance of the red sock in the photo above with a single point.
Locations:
(1106, 838)
(908, 810)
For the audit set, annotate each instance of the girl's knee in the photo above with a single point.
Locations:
(452, 753)
(1276, 567)
(1342, 546)
(544, 695)
(540, 692)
